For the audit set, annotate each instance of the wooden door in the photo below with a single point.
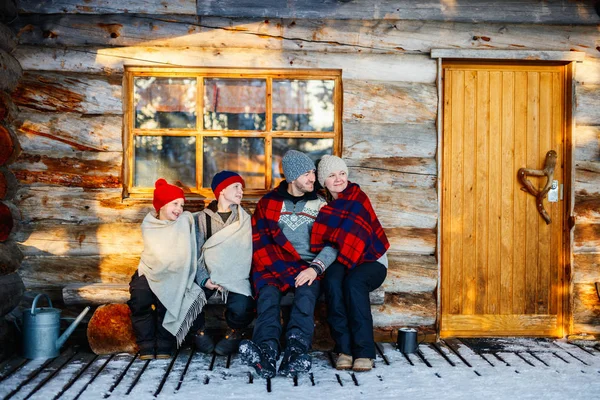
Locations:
(502, 265)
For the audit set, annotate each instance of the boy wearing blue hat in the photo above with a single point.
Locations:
(224, 239)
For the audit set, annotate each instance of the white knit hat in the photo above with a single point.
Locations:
(329, 164)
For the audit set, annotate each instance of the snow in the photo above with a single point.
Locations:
(520, 369)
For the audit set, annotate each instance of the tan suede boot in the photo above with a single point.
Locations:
(362, 364)
(343, 362)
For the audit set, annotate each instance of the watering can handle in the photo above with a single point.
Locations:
(36, 299)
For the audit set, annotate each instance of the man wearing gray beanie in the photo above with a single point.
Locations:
(282, 262)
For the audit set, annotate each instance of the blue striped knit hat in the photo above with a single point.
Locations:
(223, 179)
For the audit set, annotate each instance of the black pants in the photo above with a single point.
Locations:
(239, 311)
(301, 326)
(147, 315)
(349, 308)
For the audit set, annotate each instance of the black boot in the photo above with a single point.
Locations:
(296, 359)
(203, 342)
(230, 343)
(262, 358)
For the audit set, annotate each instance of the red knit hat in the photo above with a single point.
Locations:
(223, 179)
(165, 193)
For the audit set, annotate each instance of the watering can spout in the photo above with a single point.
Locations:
(63, 338)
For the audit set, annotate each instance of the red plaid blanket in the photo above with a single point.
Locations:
(349, 224)
(275, 261)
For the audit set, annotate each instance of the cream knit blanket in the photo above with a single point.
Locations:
(168, 262)
(227, 255)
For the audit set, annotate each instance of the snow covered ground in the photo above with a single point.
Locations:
(509, 369)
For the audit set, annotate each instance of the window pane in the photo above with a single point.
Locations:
(235, 104)
(314, 148)
(169, 157)
(164, 102)
(303, 105)
(246, 156)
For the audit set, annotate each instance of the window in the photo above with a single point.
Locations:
(187, 124)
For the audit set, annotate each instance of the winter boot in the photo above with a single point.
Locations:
(260, 357)
(296, 359)
(203, 342)
(230, 343)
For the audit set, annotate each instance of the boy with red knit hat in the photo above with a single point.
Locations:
(165, 300)
(224, 235)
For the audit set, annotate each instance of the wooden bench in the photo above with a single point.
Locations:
(106, 293)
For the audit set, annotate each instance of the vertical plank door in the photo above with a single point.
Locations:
(502, 265)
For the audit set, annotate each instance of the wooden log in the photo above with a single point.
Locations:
(405, 207)
(586, 238)
(411, 274)
(588, 72)
(78, 205)
(10, 71)
(86, 170)
(8, 110)
(586, 309)
(316, 34)
(389, 102)
(587, 111)
(107, 7)
(8, 10)
(8, 184)
(74, 240)
(406, 68)
(6, 222)
(406, 309)
(412, 240)
(7, 146)
(8, 40)
(110, 331)
(585, 267)
(414, 172)
(393, 141)
(587, 142)
(80, 93)
(43, 133)
(10, 257)
(587, 192)
(54, 273)
(11, 292)
(555, 12)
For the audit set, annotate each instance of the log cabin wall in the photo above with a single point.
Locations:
(75, 226)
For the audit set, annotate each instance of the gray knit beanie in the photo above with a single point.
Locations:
(296, 163)
(329, 164)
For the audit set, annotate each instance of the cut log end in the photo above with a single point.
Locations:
(6, 222)
(7, 147)
(110, 331)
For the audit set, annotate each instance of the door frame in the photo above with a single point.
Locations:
(569, 59)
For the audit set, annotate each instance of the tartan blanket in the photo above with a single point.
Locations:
(275, 261)
(349, 224)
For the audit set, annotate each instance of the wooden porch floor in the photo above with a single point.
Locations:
(79, 374)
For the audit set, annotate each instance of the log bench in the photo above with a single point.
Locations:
(105, 293)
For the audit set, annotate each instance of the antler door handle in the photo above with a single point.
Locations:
(548, 172)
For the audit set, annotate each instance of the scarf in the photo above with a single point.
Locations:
(275, 261)
(349, 224)
(227, 255)
(168, 261)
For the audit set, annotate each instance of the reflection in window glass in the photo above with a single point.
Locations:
(303, 105)
(169, 157)
(314, 148)
(235, 104)
(164, 102)
(246, 156)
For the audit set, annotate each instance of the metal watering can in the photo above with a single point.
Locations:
(41, 329)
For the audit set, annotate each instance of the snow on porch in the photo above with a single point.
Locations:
(485, 368)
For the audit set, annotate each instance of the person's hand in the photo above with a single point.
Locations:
(308, 275)
(210, 285)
